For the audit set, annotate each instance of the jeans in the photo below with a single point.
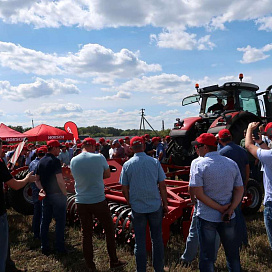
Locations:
(268, 220)
(102, 212)
(37, 216)
(192, 243)
(241, 229)
(140, 221)
(3, 241)
(53, 205)
(207, 233)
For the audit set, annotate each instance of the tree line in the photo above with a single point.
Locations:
(96, 131)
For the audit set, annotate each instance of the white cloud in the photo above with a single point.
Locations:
(54, 108)
(181, 40)
(37, 89)
(252, 54)
(91, 60)
(235, 78)
(94, 14)
(119, 95)
(160, 84)
(265, 23)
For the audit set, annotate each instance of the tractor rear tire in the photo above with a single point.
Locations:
(21, 200)
(255, 190)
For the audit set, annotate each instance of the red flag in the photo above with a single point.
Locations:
(71, 127)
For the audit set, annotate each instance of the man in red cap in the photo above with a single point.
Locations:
(126, 146)
(217, 184)
(264, 154)
(148, 145)
(105, 147)
(49, 178)
(239, 155)
(143, 186)
(30, 152)
(89, 170)
(160, 151)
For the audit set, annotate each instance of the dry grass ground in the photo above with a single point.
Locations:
(27, 254)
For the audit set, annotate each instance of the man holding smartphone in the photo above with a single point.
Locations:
(264, 154)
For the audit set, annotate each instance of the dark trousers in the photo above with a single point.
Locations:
(102, 213)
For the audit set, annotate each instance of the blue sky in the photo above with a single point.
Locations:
(100, 62)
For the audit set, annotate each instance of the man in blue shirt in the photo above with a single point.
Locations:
(49, 178)
(264, 154)
(217, 184)
(239, 155)
(160, 150)
(89, 170)
(143, 186)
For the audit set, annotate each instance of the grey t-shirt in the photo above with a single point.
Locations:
(218, 176)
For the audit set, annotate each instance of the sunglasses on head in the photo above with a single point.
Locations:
(198, 146)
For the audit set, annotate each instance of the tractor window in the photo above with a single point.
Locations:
(190, 99)
(247, 101)
(211, 102)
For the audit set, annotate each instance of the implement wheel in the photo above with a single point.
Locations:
(255, 193)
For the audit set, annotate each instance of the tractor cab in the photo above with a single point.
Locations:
(232, 96)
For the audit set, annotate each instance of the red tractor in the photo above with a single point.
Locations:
(240, 106)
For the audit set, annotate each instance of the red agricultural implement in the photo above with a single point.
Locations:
(179, 202)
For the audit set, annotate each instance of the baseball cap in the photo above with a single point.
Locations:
(224, 133)
(121, 141)
(206, 139)
(53, 143)
(30, 145)
(147, 136)
(167, 137)
(42, 150)
(97, 144)
(115, 141)
(108, 141)
(268, 129)
(102, 140)
(136, 141)
(127, 138)
(89, 141)
(155, 139)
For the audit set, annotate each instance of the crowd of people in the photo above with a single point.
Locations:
(218, 180)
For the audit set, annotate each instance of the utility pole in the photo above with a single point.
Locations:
(162, 125)
(143, 120)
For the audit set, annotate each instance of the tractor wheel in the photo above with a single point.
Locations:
(21, 200)
(255, 192)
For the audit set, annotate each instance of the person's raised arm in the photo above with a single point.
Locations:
(249, 143)
(18, 184)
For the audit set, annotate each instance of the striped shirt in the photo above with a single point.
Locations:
(142, 174)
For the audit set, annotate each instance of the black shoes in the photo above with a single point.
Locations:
(117, 265)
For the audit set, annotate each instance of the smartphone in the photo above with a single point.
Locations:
(256, 133)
